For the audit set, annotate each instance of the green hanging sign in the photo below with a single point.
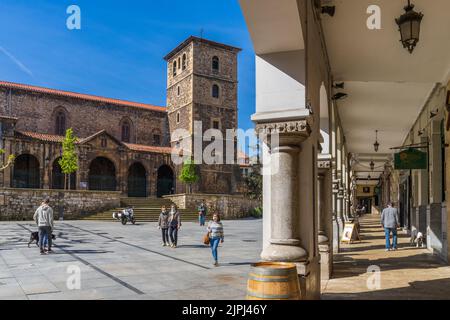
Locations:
(411, 159)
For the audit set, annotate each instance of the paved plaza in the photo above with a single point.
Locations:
(408, 273)
(127, 262)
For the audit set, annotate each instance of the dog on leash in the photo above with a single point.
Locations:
(417, 238)
(35, 237)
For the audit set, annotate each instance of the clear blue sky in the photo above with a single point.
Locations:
(119, 50)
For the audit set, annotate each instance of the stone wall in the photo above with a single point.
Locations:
(229, 206)
(47, 154)
(20, 204)
(204, 53)
(178, 57)
(37, 113)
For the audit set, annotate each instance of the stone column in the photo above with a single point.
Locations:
(336, 221)
(434, 214)
(325, 219)
(323, 240)
(339, 202)
(46, 166)
(292, 210)
(7, 173)
(83, 169)
(284, 242)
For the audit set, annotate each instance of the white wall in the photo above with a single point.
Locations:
(279, 78)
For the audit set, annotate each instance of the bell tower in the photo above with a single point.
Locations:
(202, 89)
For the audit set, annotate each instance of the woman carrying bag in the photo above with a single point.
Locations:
(174, 225)
(216, 236)
(163, 224)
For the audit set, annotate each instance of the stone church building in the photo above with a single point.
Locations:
(123, 146)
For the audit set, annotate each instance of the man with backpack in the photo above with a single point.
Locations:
(44, 220)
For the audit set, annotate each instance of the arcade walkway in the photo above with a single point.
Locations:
(408, 273)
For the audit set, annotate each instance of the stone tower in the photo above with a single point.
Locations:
(202, 87)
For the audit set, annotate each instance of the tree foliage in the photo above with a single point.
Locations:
(253, 182)
(188, 173)
(69, 159)
(9, 161)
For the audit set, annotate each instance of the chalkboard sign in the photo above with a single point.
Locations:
(350, 233)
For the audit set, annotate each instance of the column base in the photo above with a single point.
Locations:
(337, 230)
(308, 270)
(326, 261)
(322, 238)
(284, 253)
(309, 279)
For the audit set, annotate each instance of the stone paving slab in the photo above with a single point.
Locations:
(127, 262)
(408, 273)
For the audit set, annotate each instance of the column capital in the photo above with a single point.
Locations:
(324, 164)
(292, 132)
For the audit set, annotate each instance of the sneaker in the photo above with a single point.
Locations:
(49, 251)
(174, 246)
(42, 252)
(215, 264)
(388, 250)
(163, 244)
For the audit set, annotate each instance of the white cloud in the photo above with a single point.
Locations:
(16, 61)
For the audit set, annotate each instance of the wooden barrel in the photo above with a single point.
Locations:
(273, 281)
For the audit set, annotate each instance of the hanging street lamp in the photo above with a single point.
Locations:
(372, 165)
(409, 27)
(376, 145)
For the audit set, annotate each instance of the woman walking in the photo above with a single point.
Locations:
(174, 225)
(202, 213)
(163, 224)
(216, 235)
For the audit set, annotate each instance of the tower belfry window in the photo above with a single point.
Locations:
(60, 123)
(174, 68)
(184, 62)
(156, 137)
(215, 63)
(126, 131)
(215, 91)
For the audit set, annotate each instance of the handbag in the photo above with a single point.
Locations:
(206, 238)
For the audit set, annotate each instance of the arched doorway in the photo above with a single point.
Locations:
(58, 177)
(102, 175)
(165, 182)
(26, 172)
(137, 180)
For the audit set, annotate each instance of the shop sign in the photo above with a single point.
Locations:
(411, 159)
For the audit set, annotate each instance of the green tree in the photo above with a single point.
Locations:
(69, 159)
(9, 162)
(253, 182)
(188, 174)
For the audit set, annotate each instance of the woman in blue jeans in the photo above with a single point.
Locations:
(216, 236)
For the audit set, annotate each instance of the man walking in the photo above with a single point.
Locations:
(44, 220)
(389, 221)
(202, 213)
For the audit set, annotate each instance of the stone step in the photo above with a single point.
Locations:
(142, 219)
(145, 209)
